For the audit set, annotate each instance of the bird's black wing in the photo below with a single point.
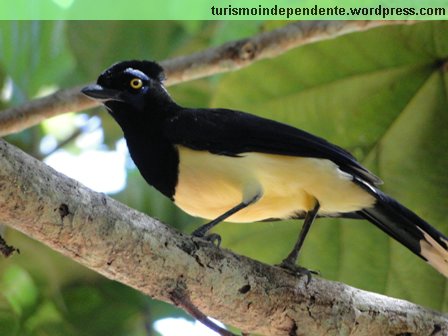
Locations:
(229, 132)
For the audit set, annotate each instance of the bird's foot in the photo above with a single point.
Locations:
(213, 238)
(297, 270)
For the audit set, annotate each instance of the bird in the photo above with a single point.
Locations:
(226, 165)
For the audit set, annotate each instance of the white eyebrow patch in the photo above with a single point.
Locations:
(136, 73)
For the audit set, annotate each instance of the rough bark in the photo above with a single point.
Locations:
(139, 251)
(227, 57)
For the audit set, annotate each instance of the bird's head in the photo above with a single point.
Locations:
(130, 88)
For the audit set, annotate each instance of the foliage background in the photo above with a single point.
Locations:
(382, 94)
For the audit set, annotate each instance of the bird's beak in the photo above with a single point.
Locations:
(98, 92)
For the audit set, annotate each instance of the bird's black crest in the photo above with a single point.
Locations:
(152, 69)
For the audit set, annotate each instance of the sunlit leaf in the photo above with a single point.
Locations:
(19, 288)
(34, 54)
(46, 317)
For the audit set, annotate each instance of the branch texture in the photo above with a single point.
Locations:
(227, 57)
(139, 251)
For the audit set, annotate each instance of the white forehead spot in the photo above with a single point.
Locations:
(136, 73)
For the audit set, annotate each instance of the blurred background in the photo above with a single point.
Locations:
(381, 94)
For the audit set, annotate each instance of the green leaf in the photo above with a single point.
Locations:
(61, 127)
(412, 159)
(193, 94)
(226, 31)
(105, 308)
(382, 95)
(34, 54)
(98, 44)
(47, 320)
(9, 319)
(19, 288)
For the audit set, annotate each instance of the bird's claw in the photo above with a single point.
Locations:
(298, 270)
(213, 238)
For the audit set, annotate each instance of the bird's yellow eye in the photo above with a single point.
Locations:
(136, 83)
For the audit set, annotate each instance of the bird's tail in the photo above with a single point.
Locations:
(410, 230)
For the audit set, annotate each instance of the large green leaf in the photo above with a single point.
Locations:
(98, 44)
(34, 54)
(381, 94)
(20, 290)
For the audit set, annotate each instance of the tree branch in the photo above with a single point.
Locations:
(227, 57)
(139, 251)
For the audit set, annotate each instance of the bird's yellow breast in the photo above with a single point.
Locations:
(209, 185)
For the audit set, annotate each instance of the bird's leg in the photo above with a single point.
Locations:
(290, 261)
(202, 231)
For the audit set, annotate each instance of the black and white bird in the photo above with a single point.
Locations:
(221, 164)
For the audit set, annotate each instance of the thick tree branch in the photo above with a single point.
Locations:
(139, 251)
(227, 57)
